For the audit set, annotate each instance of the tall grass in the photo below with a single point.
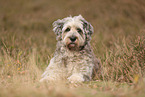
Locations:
(125, 62)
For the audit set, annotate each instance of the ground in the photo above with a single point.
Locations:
(27, 44)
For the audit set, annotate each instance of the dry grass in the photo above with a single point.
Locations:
(27, 43)
(125, 62)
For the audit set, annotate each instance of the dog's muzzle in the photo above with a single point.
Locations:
(72, 45)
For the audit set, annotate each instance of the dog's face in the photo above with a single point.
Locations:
(74, 32)
(73, 35)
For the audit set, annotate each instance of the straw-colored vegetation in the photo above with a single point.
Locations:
(27, 43)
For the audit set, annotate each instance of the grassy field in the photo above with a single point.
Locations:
(27, 43)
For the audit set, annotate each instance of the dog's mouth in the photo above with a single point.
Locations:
(72, 46)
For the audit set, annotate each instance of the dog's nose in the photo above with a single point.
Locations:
(73, 38)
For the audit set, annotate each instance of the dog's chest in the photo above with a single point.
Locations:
(72, 62)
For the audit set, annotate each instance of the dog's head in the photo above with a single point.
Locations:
(75, 32)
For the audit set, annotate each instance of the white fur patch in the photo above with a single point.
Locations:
(76, 77)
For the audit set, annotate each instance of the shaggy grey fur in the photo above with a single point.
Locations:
(76, 65)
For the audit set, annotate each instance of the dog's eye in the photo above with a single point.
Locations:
(79, 30)
(67, 29)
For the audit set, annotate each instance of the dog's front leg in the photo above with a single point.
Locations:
(52, 72)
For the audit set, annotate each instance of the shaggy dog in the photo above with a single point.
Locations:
(73, 59)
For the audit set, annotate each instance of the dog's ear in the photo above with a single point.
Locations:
(88, 28)
(58, 25)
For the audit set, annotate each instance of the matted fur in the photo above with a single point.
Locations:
(73, 59)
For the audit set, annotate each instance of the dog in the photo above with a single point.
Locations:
(73, 59)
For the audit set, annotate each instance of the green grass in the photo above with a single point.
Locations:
(27, 43)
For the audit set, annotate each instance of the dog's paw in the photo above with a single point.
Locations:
(75, 78)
